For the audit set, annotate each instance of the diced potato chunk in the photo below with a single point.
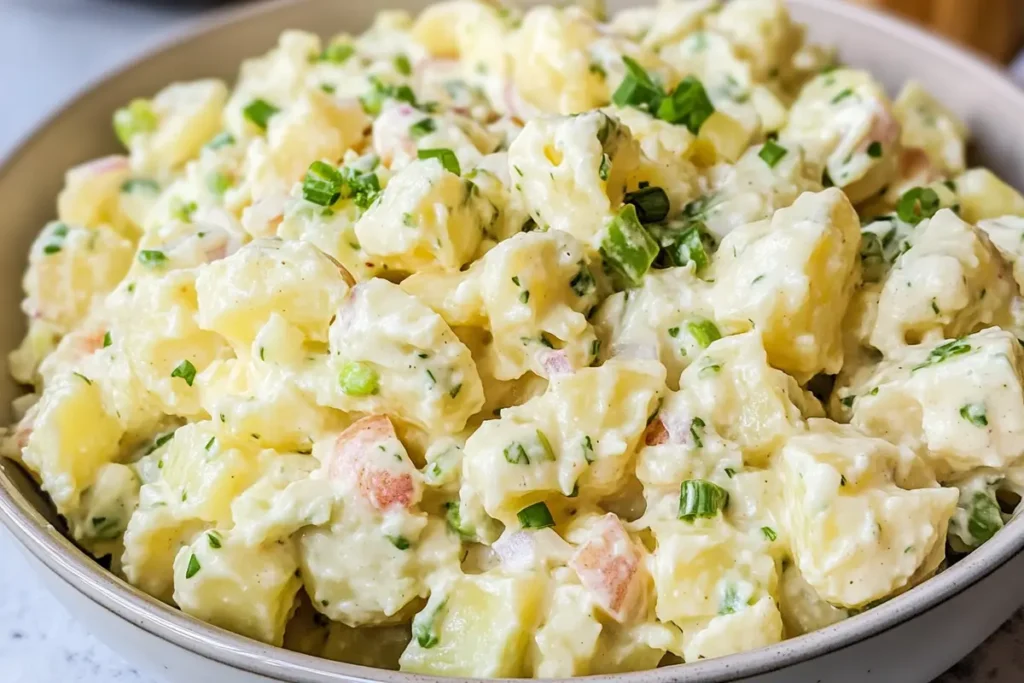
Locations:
(571, 171)
(959, 402)
(949, 283)
(581, 432)
(480, 628)
(798, 303)
(295, 280)
(857, 535)
(245, 589)
(426, 217)
(72, 436)
(532, 293)
(391, 354)
(982, 195)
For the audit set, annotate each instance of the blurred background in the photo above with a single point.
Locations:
(49, 48)
(66, 41)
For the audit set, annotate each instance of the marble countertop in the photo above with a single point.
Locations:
(67, 42)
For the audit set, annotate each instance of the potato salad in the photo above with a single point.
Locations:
(529, 342)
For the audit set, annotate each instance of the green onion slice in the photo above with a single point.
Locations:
(701, 498)
(536, 516)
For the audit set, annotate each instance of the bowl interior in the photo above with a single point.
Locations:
(31, 178)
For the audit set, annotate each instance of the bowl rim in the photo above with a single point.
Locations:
(71, 565)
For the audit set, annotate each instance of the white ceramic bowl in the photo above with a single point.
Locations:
(910, 639)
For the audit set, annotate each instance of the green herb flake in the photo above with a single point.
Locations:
(422, 128)
(944, 352)
(515, 454)
(193, 567)
(769, 533)
(975, 414)
(152, 257)
(842, 96)
(400, 542)
(213, 538)
(185, 371)
(403, 66)
(446, 157)
(258, 112)
(772, 153)
(703, 331)
(875, 149)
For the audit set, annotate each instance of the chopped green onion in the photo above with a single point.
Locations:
(842, 96)
(422, 127)
(975, 414)
(637, 89)
(588, 449)
(703, 332)
(628, 247)
(373, 101)
(445, 156)
(82, 377)
(209, 444)
(536, 516)
(875, 149)
(51, 249)
(183, 211)
(944, 352)
(400, 542)
(688, 105)
(424, 626)
(515, 454)
(337, 52)
(605, 169)
(454, 391)
(688, 247)
(152, 257)
(137, 117)
(651, 204)
(214, 539)
(402, 65)
(185, 371)
(701, 498)
(322, 184)
(985, 519)
(697, 431)
(193, 567)
(258, 112)
(107, 341)
(917, 204)
(772, 152)
(524, 296)
(769, 533)
(358, 379)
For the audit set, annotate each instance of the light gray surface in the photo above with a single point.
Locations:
(49, 49)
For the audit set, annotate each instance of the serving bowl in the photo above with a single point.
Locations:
(909, 639)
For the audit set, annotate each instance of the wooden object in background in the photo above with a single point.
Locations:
(992, 27)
